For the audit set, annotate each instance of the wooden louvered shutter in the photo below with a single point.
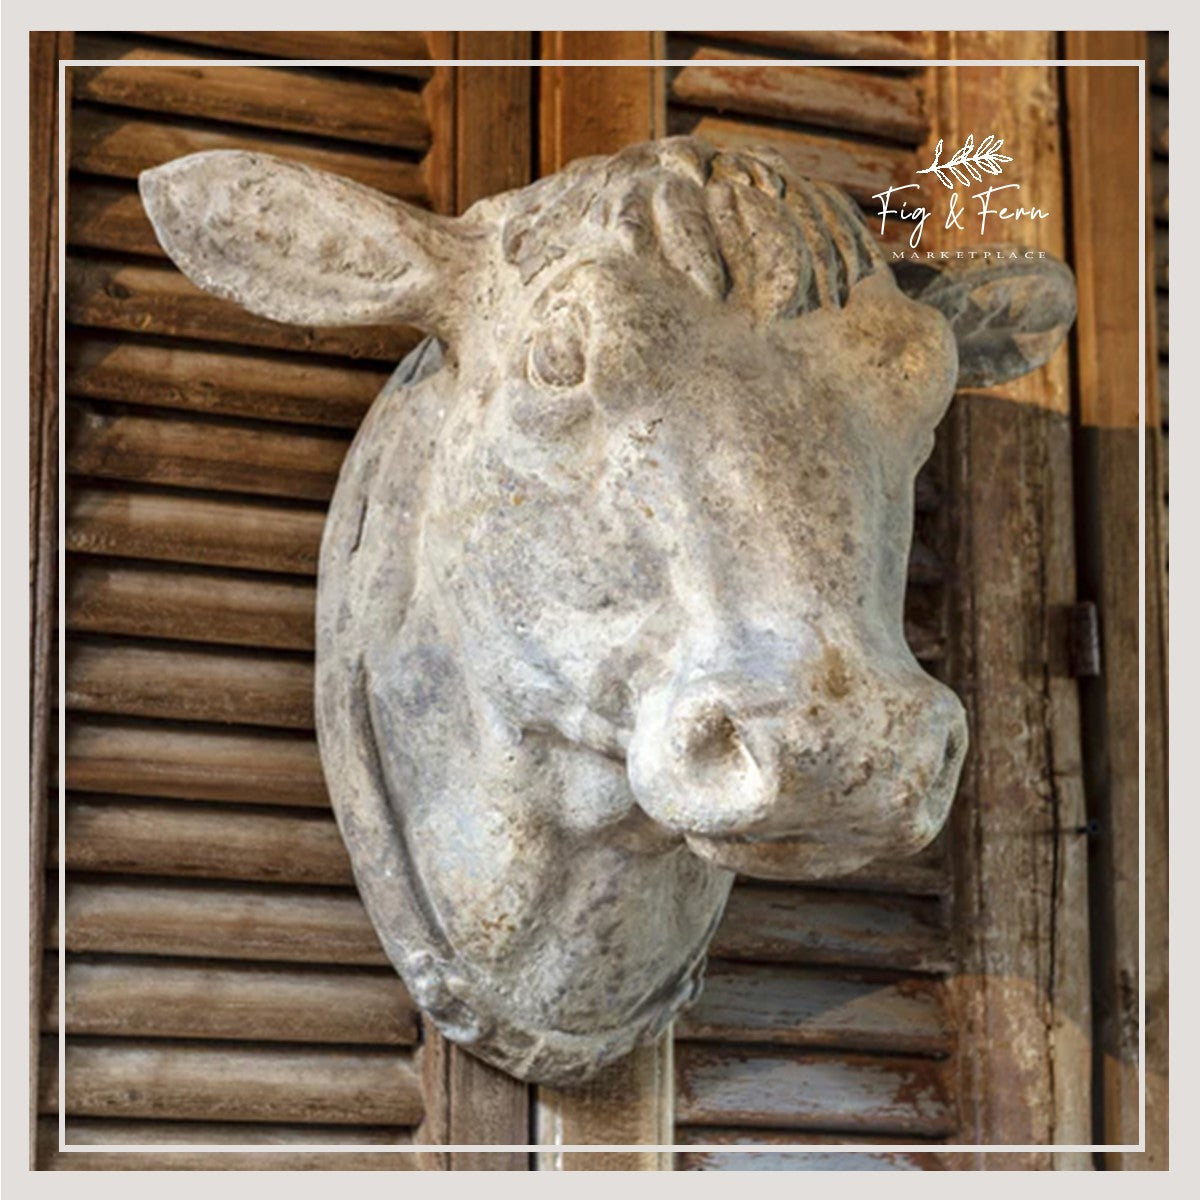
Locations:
(825, 1014)
(222, 981)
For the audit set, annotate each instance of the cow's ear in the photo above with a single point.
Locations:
(1009, 308)
(302, 246)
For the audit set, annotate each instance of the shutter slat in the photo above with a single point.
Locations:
(101, 1132)
(792, 924)
(297, 43)
(205, 841)
(122, 144)
(189, 529)
(799, 1007)
(261, 924)
(189, 685)
(187, 452)
(231, 1002)
(230, 383)
(836, 98)
(723, 1085)
(110, 216)
(149, 298)
(813, 1160)
(195, 1081)
(821, 43)
(190, 605)
(147, 759)
(861, 168)
(275, 98)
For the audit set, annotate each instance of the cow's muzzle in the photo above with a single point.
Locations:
(807, 775)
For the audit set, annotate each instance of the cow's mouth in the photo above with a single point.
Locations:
(786, 858)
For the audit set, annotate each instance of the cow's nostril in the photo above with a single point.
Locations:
(711, 737)
(949, 765)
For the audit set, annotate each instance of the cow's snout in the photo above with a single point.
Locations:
(790, 777)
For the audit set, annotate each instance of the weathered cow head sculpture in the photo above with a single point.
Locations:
(611, 588)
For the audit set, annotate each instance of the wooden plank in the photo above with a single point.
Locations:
(122, 144)
(597, 110)
(165, 602)
(145, 998)
(863, 101)
(196, 920)
(1158, 55)
(205, 841)
(231, 1082)
(494, 117)
(203, 453)
(628, 1103)
(299, 43)
(1022, 983)
(1108, 240)
(1159, 118)
(225, 382)
(190, 529)
(231, 687)
(84, 1131)
(860, 168)
(1162, 253)
(828, 43)
(275, 98)
(45, 51)
(1159, 197)
(157, 299)
(812, 1160)
(776, 923)
(788, 1006)
(728, 1085)
(193, 763)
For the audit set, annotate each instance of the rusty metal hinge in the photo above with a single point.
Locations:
(1083, 640)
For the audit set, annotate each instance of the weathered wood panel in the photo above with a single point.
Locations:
(235, 687)
(299, 43)
(264, 386)
(215, 453)
(163, 602)
(829, 43)
(290, 1139)
(196, 920)
(728, 1085)
(231, 1082)
(122, 144)
(776, 923)
(859, 100)
(148, 998)
(381, 113)
(205, 841)
(818, 1009)
(189, 529)
(194, 763)
(811, 1160)
(149, 298)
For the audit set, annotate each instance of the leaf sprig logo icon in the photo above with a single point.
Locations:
(970, 161)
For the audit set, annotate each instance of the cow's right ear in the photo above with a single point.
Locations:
(1008, 307)
(305, 247)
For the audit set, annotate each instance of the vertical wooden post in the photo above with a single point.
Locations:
(586, 110)
(598, 110)
(483, 116)
(630, 1103)
(1021, 894)
(1102, 124)
(45, 50)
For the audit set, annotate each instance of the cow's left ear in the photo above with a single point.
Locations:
(1009, 308)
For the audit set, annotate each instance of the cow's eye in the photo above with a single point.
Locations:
(557, 350)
